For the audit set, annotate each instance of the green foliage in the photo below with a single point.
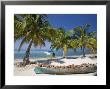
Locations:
(35, 29)
(60, 39)
(31, 28)
(84, 39)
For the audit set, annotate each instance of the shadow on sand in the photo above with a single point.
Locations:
(49, 61)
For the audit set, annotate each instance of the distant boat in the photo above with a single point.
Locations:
(47, 53)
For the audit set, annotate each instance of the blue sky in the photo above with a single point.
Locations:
(67, 21)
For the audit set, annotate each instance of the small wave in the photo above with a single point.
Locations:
(47, 53)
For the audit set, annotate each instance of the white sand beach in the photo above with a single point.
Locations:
(28, 70)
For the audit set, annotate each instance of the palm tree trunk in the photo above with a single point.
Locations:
(63, 54)
(64, 50)
(74, 51)
(26, 57)
(83, 50)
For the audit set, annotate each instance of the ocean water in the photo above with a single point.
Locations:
(39, 53)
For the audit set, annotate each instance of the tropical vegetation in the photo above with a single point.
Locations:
(81, 38)
(32, 29)
(35, 29)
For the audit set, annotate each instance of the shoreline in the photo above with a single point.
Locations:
(47, 58)
(28, 70)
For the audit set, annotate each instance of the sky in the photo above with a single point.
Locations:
(67, 21)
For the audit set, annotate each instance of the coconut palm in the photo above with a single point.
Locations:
(60, 40)
(92, 42)
(32, 29)
(72, 41)
(83, 39)
(73, 44)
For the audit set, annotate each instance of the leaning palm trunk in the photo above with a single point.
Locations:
(26, 57)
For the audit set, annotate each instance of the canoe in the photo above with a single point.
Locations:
(76, 70)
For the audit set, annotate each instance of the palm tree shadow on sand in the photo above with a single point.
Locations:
(49, 61)
(58, 60)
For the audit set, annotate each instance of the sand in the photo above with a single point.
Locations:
(28, 70)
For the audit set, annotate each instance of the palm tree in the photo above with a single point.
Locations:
(92, 42)
(60, 40)
(83, 39)
(73, 44)
(32, 29)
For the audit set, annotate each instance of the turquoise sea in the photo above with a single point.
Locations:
(40, 53)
